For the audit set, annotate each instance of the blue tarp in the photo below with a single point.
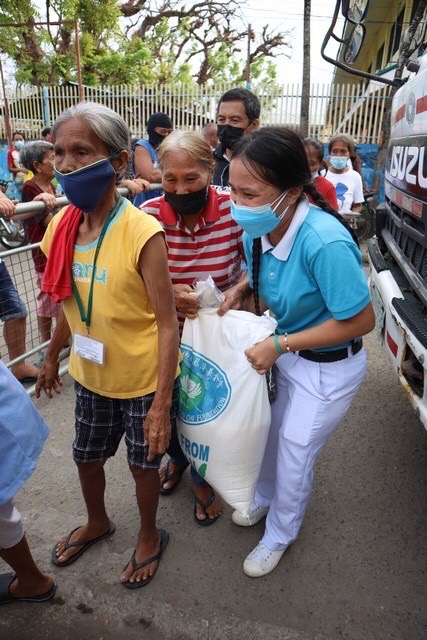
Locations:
(5, 175)
(4, 172)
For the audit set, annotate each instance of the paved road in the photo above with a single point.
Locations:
(357, 571)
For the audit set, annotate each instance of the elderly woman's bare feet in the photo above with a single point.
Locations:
(207, 507)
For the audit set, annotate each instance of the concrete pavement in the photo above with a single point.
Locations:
(355, 573)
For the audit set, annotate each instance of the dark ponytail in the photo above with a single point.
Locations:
(256, 263)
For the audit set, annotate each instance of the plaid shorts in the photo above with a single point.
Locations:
(101, 423)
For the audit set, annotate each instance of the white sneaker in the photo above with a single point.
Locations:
(261, 561)
(255, 514)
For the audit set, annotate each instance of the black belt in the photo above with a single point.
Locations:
(331, 356)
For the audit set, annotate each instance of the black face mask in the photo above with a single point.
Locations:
(186, 204)
(155, 139)
(229, 135)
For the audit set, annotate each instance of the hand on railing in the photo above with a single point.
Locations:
(7, 207)
(48, 198)
(136, 185)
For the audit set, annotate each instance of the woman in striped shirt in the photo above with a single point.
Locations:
(202, 239)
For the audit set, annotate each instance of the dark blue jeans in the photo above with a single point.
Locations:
(177, 457)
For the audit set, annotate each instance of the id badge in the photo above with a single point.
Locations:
(89, 348)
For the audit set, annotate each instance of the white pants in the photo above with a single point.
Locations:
(312, 398)
(11, 527)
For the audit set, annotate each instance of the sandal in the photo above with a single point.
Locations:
(176, 475)
(164, 539)
(205, 505)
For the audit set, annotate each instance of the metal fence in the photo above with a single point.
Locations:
(20, 267)
(349, 108)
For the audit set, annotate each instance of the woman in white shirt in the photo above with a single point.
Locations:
(347, 182)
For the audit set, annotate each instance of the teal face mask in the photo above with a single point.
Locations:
(258, 221)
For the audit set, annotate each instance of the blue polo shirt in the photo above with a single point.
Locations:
(313, 274)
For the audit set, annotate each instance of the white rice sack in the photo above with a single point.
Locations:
(224, 412)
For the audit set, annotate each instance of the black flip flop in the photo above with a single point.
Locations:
(208, 520)
(6, 580)
(164, 539)
(84, 544)
(171, 476)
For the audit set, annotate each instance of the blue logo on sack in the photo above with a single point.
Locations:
(204, 391)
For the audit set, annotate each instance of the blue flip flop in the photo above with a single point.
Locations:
(6, 580)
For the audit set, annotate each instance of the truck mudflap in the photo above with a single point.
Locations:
(402, 329)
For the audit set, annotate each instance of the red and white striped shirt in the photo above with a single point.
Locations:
(214, 247)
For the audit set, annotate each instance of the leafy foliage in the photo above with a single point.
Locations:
(139, 41)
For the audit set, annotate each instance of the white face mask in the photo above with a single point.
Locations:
(314, 174)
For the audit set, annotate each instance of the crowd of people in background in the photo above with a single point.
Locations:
(259, 209)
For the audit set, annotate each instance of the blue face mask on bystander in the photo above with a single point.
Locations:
(85, 187)
(338, 162)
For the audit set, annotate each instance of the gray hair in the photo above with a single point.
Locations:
(34, 152)
(106, 124)
(190, 141)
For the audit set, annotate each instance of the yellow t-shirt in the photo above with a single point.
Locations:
(122, 315)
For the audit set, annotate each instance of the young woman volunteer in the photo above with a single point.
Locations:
(300, 259)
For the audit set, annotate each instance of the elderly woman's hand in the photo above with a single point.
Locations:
(262, 355)
(236, 296)
(157, 431)
(47, 198)
(7, 207)
(135, 186)
(48, 379)
(185, 300)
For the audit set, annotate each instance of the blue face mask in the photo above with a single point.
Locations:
(258, 221)
(85, 187)
(19, 144)
(338, 162)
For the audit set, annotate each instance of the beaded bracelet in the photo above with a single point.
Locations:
(288, 349)
(277, 343)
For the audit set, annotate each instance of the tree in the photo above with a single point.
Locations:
(135, 41)
(305, 98)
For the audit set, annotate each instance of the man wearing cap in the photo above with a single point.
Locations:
(145, 166)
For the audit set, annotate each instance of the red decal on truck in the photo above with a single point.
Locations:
(392, 345)
(400, 112)
(421, 104)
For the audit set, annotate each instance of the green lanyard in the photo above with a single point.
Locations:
(86, 317)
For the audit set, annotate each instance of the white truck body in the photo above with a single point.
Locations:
(398, 255)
